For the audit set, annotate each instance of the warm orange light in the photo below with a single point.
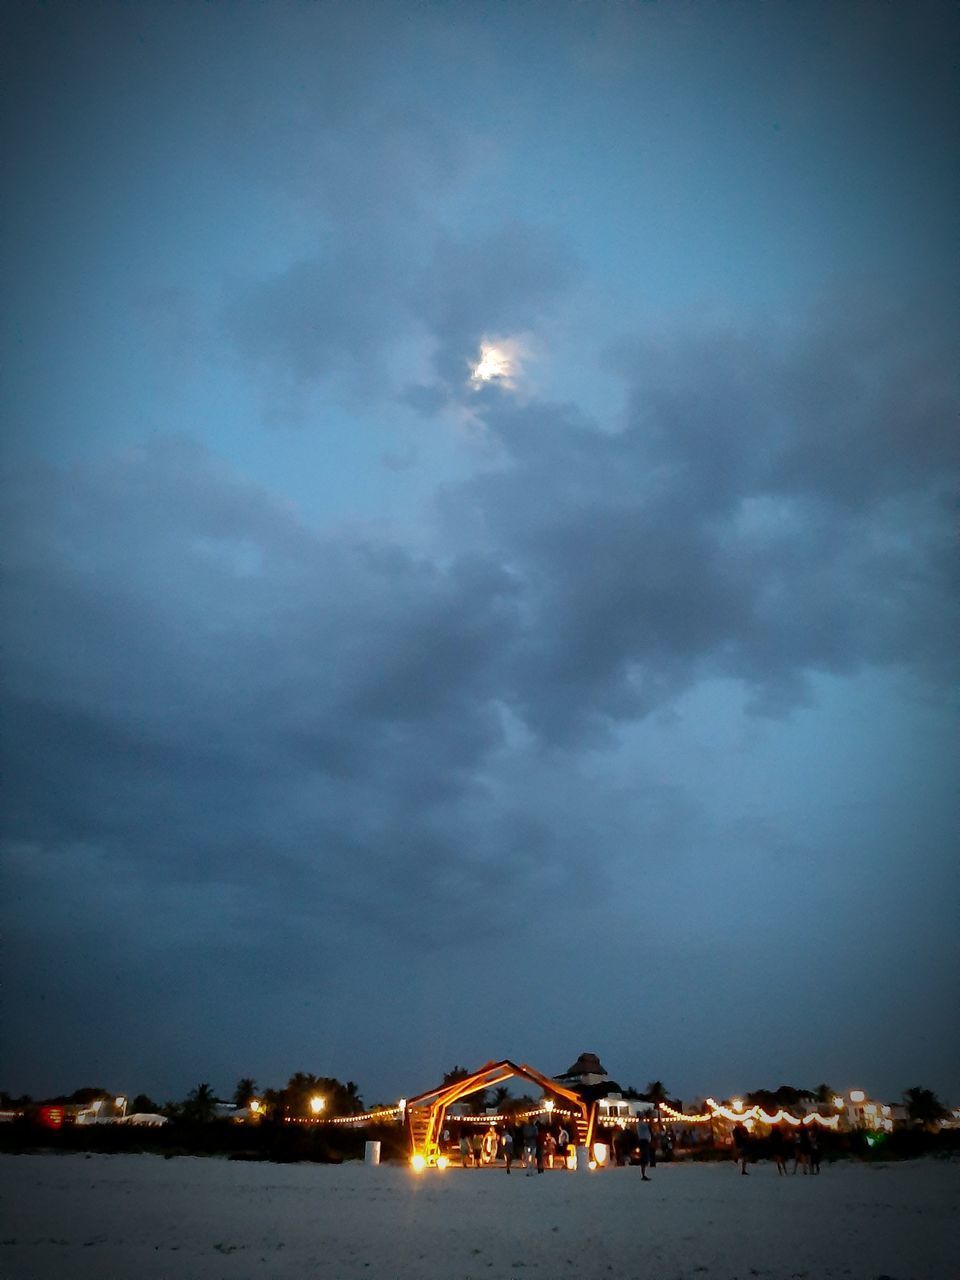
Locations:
(442, 1162)
(418, 1163)
(317, 1104)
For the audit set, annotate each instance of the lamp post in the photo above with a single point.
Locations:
(122, 1104)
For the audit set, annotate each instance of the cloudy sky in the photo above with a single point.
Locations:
(481, 543)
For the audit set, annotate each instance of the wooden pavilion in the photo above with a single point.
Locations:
(425, 1114)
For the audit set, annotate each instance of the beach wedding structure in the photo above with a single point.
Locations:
(584, 1099)
(426, 1113)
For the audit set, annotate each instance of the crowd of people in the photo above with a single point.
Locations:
(536, 1146)
(784, 1145)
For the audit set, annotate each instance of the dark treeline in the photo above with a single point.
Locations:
(202, 1105)
(204, 1124)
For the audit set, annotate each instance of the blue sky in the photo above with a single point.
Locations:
(364, 716)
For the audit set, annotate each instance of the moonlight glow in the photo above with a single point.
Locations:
(498, 363)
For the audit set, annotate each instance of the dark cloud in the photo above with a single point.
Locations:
(219, 698)
(333, 319)
(780, 510)
(492, 285)
(187, 660)
(322, 320)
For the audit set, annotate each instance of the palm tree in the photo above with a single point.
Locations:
(201, 1104)
(454, 1074)
(923, 1106)
(350, 1100)
(657, 1093)
(301, 1087)
(475, 1101)
(245, 1090)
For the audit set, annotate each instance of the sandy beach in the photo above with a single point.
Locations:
(148, 1217)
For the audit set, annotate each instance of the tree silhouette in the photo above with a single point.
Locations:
(477, 1101)
(786, 1096)
(200, 1105)
(456, 1073)
(339, 1099)
(350, 1101)
(84, 1097)
(657, 1094)
(246, 1089)
(300, 1088)
(923, 1106)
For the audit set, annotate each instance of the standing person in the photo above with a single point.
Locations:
(789, 1141)
(616, 1148)
(814, 1153)
(549, 1148)
(477, 1143)
(529, 1146)
(508, 1148)
(491, 1142)
(645, 1143)
(563, 1144)
(803, 1151)
(741, 1143)
(541, 1141)
(464, 1150)
(776, 1149)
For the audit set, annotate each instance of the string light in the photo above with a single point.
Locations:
(740, 1116)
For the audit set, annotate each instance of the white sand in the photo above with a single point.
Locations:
(145, 1217)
